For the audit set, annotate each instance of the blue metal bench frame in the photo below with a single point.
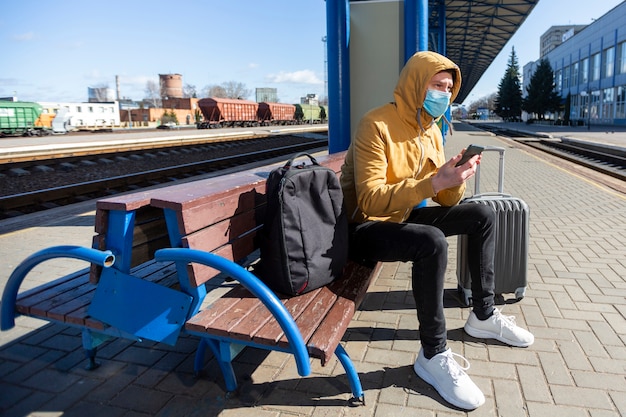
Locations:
(105, 259)
(222, 347)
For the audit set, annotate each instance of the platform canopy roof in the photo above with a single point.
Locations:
(476, 32)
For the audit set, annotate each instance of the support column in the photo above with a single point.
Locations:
(338, 36)
(415, 27)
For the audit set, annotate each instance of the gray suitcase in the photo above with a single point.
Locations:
(511, 258)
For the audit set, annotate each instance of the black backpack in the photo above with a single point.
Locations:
(304, 240)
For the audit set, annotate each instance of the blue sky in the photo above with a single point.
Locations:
(54, 51)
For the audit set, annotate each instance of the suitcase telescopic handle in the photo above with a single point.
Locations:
(500, 150)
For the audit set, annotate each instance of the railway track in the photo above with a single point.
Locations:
(605, 163)
(79, 179)
(607, 160)
(96, 177)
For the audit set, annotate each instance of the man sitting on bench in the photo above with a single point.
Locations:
(394, 162)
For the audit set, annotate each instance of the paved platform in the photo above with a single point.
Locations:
(575, 305)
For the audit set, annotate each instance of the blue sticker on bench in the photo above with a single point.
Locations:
(139, 307)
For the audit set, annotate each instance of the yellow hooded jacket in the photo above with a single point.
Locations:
(397, 148)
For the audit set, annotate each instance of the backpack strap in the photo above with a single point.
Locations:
(289, 163)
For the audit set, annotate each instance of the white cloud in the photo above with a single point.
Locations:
(302, 77)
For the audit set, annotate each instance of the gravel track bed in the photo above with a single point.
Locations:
(47, 176)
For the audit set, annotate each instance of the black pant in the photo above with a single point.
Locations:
(422, 240)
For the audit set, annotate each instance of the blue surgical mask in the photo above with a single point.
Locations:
(436, 102)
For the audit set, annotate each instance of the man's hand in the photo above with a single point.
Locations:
(449, 176)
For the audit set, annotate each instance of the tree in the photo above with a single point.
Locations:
(508, 103)
(229, 89)
(153, 93)
(169, 117)
(486, 102)
(213, 91)
(236, 90)
(189, 91)
(542, 95)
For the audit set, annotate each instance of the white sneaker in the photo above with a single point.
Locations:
(449, 379)
(499, 327)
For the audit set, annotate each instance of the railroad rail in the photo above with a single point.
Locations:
(222, 156)
(592, 158)
(606, 159)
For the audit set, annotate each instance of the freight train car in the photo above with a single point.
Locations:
(21, 118)
(276, 114)
(225, 112)
(324, 114)
(310, 113)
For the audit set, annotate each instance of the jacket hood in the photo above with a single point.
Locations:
(413, 81)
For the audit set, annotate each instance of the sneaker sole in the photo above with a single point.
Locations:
(483, 334)
(425, 375)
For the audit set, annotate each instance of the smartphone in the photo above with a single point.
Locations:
(469, 152)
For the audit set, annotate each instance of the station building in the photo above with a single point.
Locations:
(590, 70)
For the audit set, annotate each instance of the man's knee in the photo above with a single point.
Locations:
(482, 213)
(435, 242)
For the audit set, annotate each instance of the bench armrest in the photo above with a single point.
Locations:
(9, 296)
(256, 287)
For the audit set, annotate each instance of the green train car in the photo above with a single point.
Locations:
(21, 118)
(311, 113)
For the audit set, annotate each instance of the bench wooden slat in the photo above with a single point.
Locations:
(326, 337)
(234, 251)
(271, 333)
(238, 312)
(204, 319)
(228, 203)
(126, 202)
(40, 303)
(67, 299)
(185, 196)
(68, 303)
(26, 295)
(218, 321)
(315, 312)
(253, 322)
(322, 315)
(222, 232)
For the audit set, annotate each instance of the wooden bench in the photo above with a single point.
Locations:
(180, 239)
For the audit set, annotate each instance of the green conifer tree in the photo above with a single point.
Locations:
(542, 96)
(508, 103)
